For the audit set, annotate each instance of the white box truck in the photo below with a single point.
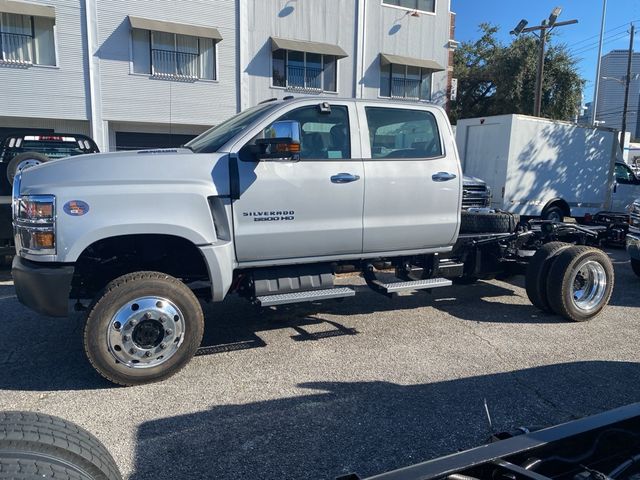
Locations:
(546, 168)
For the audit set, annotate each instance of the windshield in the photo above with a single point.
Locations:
(214, 138)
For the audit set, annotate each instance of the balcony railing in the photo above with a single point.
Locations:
(16, 48)
(305, 78)
(166, 63)
(405, 88)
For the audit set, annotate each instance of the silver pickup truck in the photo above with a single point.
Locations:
(271, 205)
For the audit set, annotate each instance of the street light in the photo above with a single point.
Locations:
(544, 28)
(622, 81)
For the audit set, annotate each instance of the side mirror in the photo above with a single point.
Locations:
(281, 142)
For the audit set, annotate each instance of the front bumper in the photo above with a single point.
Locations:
(43, 287)
(633, 243)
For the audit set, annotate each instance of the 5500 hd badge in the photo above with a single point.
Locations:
(272, 216)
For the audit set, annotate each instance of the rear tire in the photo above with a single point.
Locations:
(554, 214)
(145, 327)
(497, 222)
(23, 160)
(635, 266)
(34, 445)
(538, 273)
(580, 283)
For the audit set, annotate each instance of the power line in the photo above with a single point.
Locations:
(626, 24)
(594, 46)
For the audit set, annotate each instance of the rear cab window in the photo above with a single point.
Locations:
(399, 133)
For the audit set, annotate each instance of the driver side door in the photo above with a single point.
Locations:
(307, 207)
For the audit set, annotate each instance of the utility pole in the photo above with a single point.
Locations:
(544, 28)
(594, 105)
(626, 88)
(537, 105)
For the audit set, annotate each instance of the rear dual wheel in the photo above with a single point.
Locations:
(144, 328)
(572, 281)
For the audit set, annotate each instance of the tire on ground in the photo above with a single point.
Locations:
(538, 271)
(126, 289)
(565, 272)
(497, 222)
(12, 167)
(34, 445)
(635, 266)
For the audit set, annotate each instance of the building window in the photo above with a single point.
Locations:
(428, 6)
(405, 81)
(304, 70)
(173, 55)
(27, 39)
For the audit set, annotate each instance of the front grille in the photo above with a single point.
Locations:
(475, 196)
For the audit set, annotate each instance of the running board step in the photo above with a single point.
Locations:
(311, 296)
(415, 285)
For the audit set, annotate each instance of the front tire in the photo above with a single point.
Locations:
(144, 328)
(580, 283)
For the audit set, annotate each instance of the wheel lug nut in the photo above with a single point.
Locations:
(168, 331)
(132, 351)
(133, 322)
(125, 338)
(147, 315)
(163, 346)
(147, 354)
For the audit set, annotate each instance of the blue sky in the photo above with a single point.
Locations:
(582, 38)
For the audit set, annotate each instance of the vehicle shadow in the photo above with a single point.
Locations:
(371, 427)
(41, 354)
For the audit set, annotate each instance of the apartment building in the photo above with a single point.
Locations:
(154, 73)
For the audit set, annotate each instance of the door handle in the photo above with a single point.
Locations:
(344, 178)
(443, 176)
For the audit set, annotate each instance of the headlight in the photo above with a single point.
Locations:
(34, 218)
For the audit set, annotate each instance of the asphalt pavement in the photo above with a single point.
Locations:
(317, 391)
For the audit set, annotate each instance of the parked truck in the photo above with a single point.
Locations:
(546, 168)
(271, 205)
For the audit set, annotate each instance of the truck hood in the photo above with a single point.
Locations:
(145, 167)
(469, 180)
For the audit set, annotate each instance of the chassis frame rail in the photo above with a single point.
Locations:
(507, 456)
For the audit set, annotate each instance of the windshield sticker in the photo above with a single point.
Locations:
(76, 208)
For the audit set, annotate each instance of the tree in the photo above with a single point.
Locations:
(496, 79)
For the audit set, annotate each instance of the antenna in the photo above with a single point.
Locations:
(486, 409)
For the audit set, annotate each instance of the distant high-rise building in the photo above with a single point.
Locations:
(611, 92)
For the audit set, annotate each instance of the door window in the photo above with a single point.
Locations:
(324, 134)
(624, 174)
(403, 133)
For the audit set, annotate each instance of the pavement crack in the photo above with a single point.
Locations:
(521, 382)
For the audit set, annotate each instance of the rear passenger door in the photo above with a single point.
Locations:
(413, 179)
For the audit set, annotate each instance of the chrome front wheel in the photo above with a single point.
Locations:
(145, 332)
(143, 328)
